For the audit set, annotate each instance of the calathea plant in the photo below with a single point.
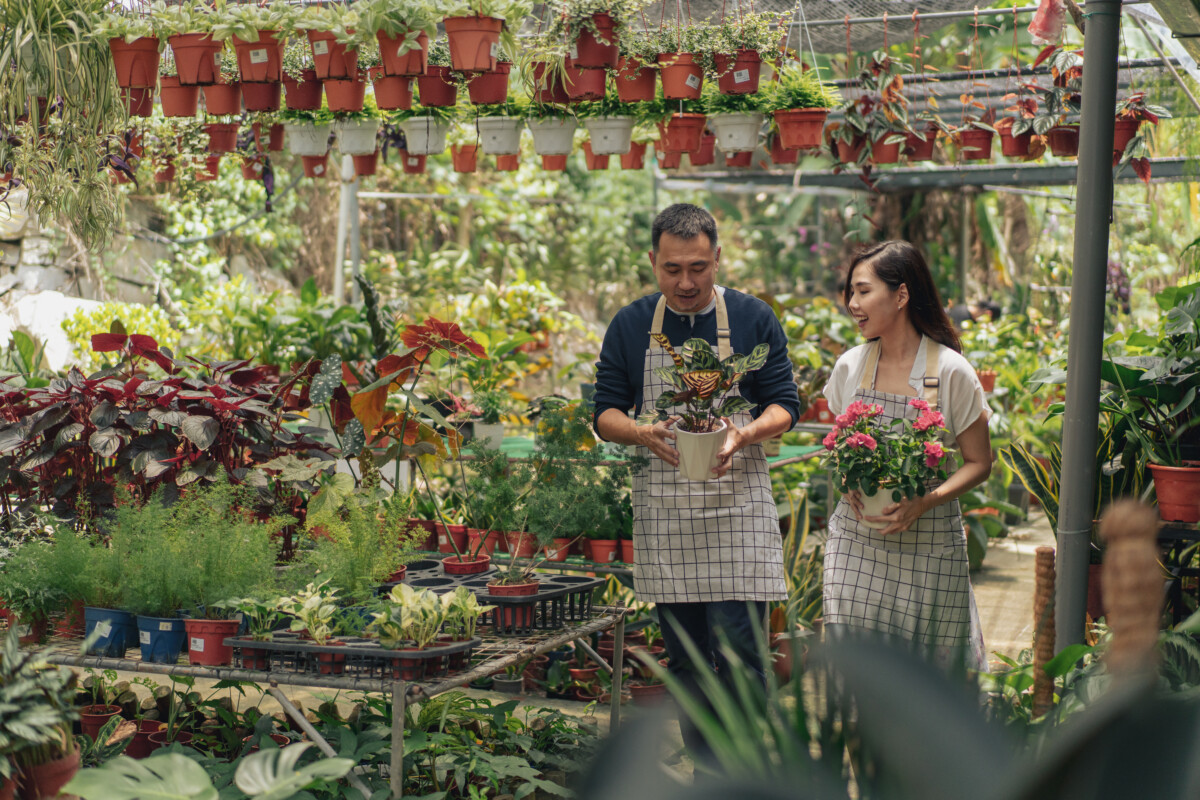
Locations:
(701, 382)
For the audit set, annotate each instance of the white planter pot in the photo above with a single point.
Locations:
(611, 136)
(736, 133)
(553, 136)
(499, 136)
(873, 505)
(698, 452)
(306, 139)
(357, 137)
(425, 136)
(489, 436)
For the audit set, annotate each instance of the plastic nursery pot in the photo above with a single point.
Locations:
(884, 153)
(393, 93)
(848, 153)
(610, 136)
(584, 84)
(93, 718)
(1123, 132)
(278, 738)
(499, 136)
(256, 658)
(454, 565)
(490, 541)
(489, 88)
(223, 99)
(917, 149)
(455, 536)
(521, 544)
(557, 551)
(71, 623)
(1178, 490)
(195, 58)
(345, 94)
(315, 166)
(1064, 140)
(138, 102)
(47, 780)
(160, 738)
(178, 100)
(976, 144)
(111, 628)
(636, 157)
(740, 160)
(647, 694)
(414, 164)
(583, 674)
(206, 641)
(593, 161)
(698, 452)
(682, 133)
(436, 89)
(136, 62)
(1014, 146)
(682, 77)
(987, 379)
(262, 97)
(140, 745)
(592, 52)
(671, 160)
(411, 62)
(605, 551)
(554, 164)
(780, 154)
(273, 138)
(331, 59)
(331, 663)
(302, 95)
(222, 137)
(635, 81)
(252, 169)
(706, 154)
(506, 685)
(162, 639)
(260, 61)
(398, 575)
(409, 669)
(515, 617)
(553, 136)
(738, 71)
(548, 87)
(474, 42)
(627, 551)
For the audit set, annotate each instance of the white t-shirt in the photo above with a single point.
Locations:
(961, 398)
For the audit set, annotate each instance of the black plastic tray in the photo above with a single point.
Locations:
(357, 657)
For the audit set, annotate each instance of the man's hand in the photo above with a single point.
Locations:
(735, 440)
(657, 438)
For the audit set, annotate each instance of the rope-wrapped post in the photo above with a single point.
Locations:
(1131, 586)
(1043, 630)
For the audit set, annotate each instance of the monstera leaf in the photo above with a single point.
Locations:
(273, 774)
(167, 776)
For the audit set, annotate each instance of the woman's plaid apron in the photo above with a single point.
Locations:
(703, 541)
(912, 585)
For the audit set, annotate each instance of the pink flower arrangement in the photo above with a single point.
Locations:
(934, 453)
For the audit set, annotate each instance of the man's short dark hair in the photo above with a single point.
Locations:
(685, 221)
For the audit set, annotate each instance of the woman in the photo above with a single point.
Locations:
(908, 579)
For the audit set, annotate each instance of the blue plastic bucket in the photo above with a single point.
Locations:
(162, 639)
(113, 628)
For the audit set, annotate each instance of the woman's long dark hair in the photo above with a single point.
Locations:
(897, 262)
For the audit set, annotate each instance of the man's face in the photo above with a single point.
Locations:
(686, 270)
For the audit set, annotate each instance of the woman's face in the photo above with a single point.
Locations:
(876, 308)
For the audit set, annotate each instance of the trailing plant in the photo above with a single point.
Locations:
(701, 384)
(763, 32)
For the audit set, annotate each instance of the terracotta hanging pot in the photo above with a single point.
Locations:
(474, 42)
(848, 152)
(800, 128)
(976, 144)
(273, 138)
(584, 85)
(331, 59)
(464, 157)
(548, 86)
(554, 164)
(682, 132)
(178, 100)
(410, 63)
(315, 166)
(210, 168)
(591, 52)
(393, 92)
(593, 161)
(195, 58)
(345, 94)
(303, 95)
(365, 166)
(436, 89)
(136, 62)
(222, 137)
(261, 97)
(252, 169)
(1123, 132)
(635, 81)
(636, 157)
(916, 149)
(1064, 140)
(260, 61)
(414, 165)
(780, 154)
(738, 71)
(682, 77)
(707, 152)
(884, 153)
(490, 88)
(673, 160)
(740, 160)
(223, 99)
(138, 102)
(1014, 146)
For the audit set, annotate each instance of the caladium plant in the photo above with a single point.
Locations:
(701, 384)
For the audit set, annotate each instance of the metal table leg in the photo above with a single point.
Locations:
(614, 718)
(397, 766)
(316, 737)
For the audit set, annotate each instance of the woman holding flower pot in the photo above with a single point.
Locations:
(903, 399)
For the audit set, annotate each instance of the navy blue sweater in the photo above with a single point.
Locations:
(751, 322)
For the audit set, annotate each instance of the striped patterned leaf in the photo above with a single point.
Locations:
(1040, 483)
(704, 381)
(699, 355)
(665, 344)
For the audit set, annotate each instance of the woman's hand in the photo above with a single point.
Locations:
(854, 498)
(899, 517)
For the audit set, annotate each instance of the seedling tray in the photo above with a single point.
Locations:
(357, 657)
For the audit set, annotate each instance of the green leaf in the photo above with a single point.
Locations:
(354, 439)
(733, 405)
(671, 376)
(326, 381)
(308, 292)
(166, 776)
(273, 775)
(757, 358)
(699, 355)
(1065, 660)
(201, 431)
(105, 443)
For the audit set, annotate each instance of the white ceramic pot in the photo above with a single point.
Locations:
(499, 136)
(553, 136)
(611, 136)
(736, 133)
(357, 137)
(698, 452)
(307, 139)
(489, 436)
(425, 136)
(873, 506)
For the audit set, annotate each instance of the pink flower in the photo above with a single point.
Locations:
(830, 440)
(933, 454)
(919, 404)
(843, 420)
(861, 440)
(929, 419)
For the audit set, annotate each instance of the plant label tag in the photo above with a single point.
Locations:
(693, 81)
(103, 629)
(217, 61)
(414, 160)
(495, 49)
(258, 56)
(320, 48)
(443, 539)
(319, 169)
(196, 645)
(574, 51)
(24, 630)
(741, 76)
(165, 626)
(144, 637)
(552, 555)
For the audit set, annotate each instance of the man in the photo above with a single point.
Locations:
(707, 553)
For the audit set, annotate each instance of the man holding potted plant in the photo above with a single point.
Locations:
(707, 551)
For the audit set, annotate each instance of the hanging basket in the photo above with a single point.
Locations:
(916, 149)
(223, 99)
(178, 100)
(553, 136)
(706, 154)
(499, 136)
(682, 133)
(591, 52)
(584, 85)
(1064, 140)
(636, 157)
(884, 153)
(356, 137)
(740, 160)
(410, 63)
(1015, 146)
(800, 128)
(635, 81)
(315, 166)
(303, 95)
(436, 89)
(222, 137)
(307, 139)
(509, 163)
(490, 88)
(736, 133)
(848, 152)
(738, 71)
(136, 62)
(195, 58)
(345, 95)
(138, 102)
(425, 135)
(332, 60)
(594, 160)
(554, 163)
(273, 137)
(474, 42)
(976, 144)
(1123, 132)
(252, 169)
(548, 86)
(261, 97)
(366, 164)
(609, 135)
(260, 61)
(465, 157)
(780, 154)
(393, 93)
(414, 165)
(672, 160)
(682, 77)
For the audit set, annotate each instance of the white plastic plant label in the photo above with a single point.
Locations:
(144, 637)
(612, 555)
(552, 555)
(319, 169)
(24, 630)
(693, 81)
(258, 56)
(103, 629)
(414, 160)
(741, 76)
(320, 48)
(165, 626)
(217, 61)
(443, 539)
(574, 51)
(196, 645)
(495, 51)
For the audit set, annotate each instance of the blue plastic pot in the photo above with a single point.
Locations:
(162, 639)
(114, 629)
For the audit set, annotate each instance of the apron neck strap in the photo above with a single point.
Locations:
(868, 377)
(931, 384)
(724, 347)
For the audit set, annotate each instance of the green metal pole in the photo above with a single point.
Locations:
(1077, 493)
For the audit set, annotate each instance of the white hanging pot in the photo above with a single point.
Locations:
(307, 139)
(356, 137)
(425, 136)
(611, 136)
(553, 136)
(736, 133)
(698, 452)
(499, 136)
